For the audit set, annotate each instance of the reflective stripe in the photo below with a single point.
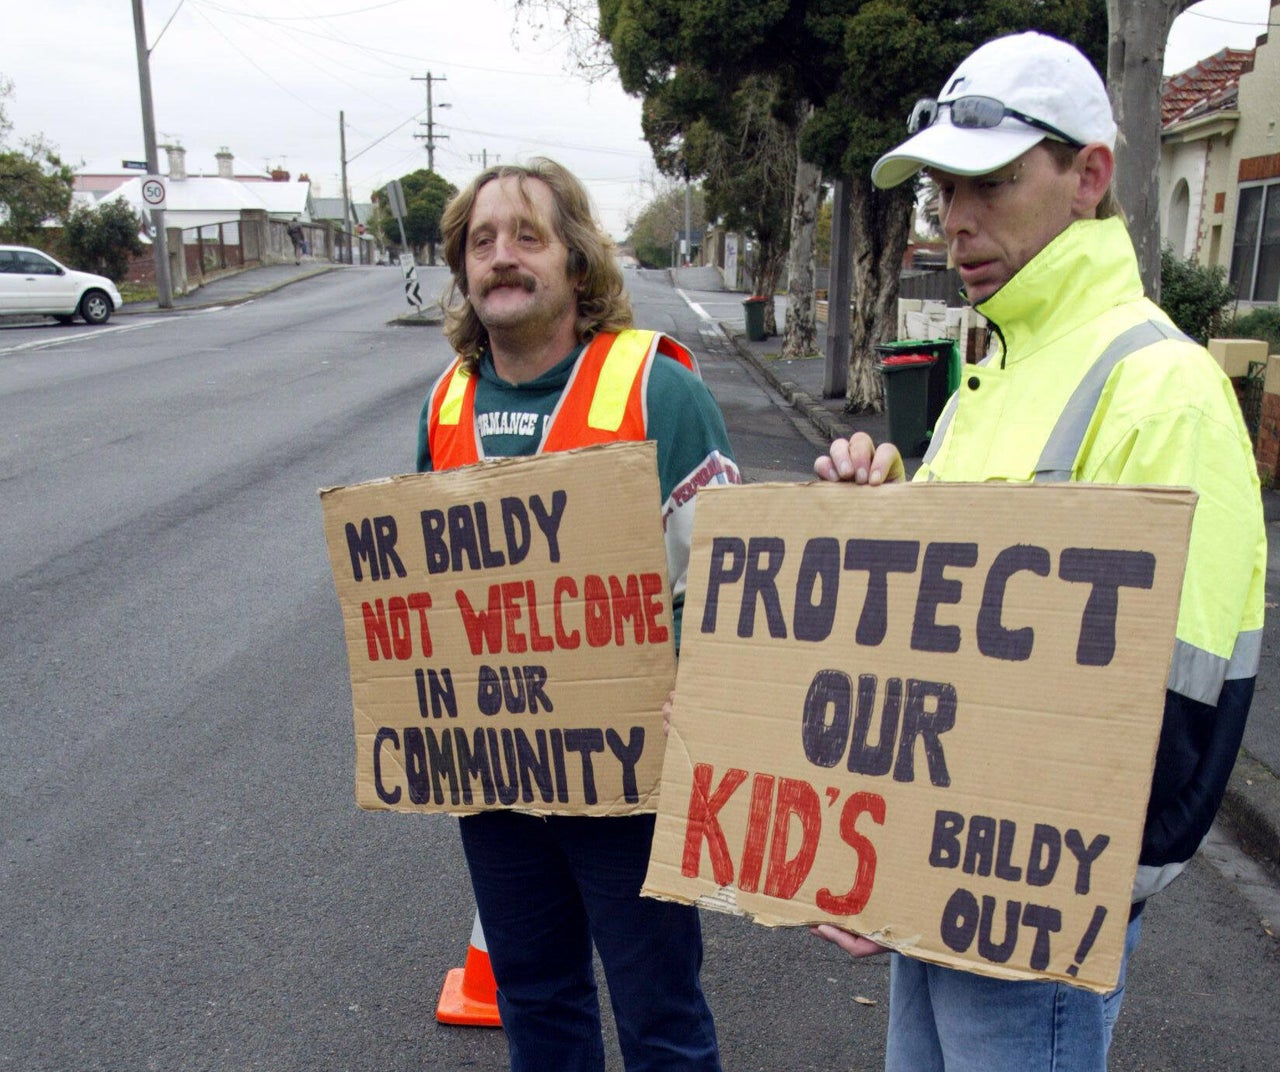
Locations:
(617, 376)
(1199, 674)
(1196, 673)
(1150, 880)
(1057, 460)
(940, 430)
(944, 423)
(451, 407)
(1246, 657)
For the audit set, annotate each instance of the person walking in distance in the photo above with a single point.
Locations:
(295, 232)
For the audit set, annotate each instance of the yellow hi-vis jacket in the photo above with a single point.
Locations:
(1091, 382)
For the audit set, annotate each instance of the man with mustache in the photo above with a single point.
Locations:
(1087, 380)
(548, 360)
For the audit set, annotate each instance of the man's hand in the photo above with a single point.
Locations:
(853, 944)
(858, 460)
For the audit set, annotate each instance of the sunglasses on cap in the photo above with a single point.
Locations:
(978, 113)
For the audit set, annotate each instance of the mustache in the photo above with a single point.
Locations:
(507, 279)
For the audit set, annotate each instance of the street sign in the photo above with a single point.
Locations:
(153, 191)
(134, 165)
(412, 293)
(395, 195)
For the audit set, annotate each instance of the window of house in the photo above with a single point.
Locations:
(1255, 254)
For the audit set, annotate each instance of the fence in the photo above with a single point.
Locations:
(199, 254)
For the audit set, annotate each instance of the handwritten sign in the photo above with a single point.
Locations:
(926, 713)
(509, 633)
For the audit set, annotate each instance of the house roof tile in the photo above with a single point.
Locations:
(1211, 85)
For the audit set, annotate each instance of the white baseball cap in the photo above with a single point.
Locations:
(1005, 97)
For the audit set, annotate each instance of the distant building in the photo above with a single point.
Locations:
(200, 200)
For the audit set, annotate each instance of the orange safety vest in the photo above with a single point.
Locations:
(603, 402)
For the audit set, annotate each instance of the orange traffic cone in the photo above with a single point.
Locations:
(470, 994)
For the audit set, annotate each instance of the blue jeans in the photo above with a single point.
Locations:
(546, 889)
(941, 1018)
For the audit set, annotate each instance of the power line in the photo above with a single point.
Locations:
(1261, 23)
(306, 18)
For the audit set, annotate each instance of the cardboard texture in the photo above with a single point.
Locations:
(509, 633)
(927, 713)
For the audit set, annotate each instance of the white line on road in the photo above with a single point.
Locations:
(710, 330)
(80, 336)
(696, 307)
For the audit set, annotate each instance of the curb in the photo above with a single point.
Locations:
(814, 411)
(429, 317)
(1251, 806)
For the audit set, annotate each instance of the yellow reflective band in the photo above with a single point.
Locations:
(625, 357)
(451, 407)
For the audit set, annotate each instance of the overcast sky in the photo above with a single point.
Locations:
(268, 78)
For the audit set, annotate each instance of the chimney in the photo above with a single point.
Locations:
(177, 162)
(279, 175)
(224, 158)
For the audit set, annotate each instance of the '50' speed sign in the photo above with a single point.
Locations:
(153, 191)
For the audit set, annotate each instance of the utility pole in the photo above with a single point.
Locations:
(160, 242)
(484, 159)
(342, 149)
(431, 136)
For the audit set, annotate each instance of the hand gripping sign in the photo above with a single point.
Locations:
(509, 633)
(927, 714)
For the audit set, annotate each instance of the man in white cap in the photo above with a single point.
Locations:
(1087, 380)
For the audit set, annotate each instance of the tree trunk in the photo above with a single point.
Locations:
(881, 223)
(1137, 33)
(800, 338)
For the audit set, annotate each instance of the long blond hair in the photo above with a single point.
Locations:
(602, 301)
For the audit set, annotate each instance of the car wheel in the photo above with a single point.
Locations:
(95, 307)
(63, 318)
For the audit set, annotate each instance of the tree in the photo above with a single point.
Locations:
(35, 185)
(425, 196)
(103, 239)
(860, 64)
(748, 157)
(650, 233)
(800, 336)
(1195, 296)
(1139, 31)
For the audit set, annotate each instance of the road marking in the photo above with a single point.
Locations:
(695, 306)
(710, 331)
(80, 336)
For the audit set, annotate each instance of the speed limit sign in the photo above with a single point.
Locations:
(153, 191)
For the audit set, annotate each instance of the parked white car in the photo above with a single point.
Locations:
(33, 283)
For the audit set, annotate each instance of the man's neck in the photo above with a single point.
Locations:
(518, 360)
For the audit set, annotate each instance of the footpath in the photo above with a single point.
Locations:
(236, 287)
(1252, 804)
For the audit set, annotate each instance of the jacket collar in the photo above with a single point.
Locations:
(1089, 268)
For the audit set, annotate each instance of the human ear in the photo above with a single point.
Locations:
(1095, 166)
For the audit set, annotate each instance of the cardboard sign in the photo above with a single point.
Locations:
(509, 633)
(926, 713)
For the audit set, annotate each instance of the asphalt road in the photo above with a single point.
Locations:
(185, 881)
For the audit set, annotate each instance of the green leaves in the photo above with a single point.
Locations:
(103, 239)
